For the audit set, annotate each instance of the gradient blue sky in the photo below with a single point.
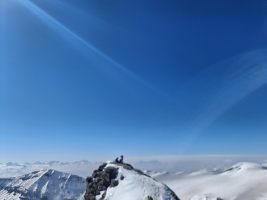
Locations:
(85, 79)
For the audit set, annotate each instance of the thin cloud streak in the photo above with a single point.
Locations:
(66, 32)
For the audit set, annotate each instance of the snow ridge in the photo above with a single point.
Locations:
(45, 184)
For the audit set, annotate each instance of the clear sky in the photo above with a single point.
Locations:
(85, 79)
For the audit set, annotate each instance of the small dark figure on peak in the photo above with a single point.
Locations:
(119, 159)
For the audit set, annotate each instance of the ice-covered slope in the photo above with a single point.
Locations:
(243, 181)
(42, 185)
(116, 181)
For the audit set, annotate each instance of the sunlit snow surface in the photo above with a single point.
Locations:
(190, 179)
(243, 181)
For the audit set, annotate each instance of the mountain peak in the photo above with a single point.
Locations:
(43, 184)
(118, 180)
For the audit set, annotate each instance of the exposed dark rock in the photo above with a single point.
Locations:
(89, 179)
(114, 183)
(101, 179)
(149, 198)
(101, 167)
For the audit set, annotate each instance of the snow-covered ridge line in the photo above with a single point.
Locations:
(44, 184)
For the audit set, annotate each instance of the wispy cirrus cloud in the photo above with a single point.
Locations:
(91, 52)
(243, 74)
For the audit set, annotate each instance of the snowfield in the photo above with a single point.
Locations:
(243, 181)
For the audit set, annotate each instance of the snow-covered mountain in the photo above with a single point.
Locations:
(116, 181)
(42, 185)
(126, 183)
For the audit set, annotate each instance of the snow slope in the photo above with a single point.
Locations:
(136, 187)
(243, 181)
(42, 185)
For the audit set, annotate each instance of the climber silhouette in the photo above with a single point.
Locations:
(119, 159)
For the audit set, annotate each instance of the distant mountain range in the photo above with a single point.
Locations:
(82, 168)
(171, 164)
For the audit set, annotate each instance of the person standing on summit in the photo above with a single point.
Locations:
(119, 159)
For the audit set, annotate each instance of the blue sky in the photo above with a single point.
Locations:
(88, 79)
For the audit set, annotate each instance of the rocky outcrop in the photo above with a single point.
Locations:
(101, 179)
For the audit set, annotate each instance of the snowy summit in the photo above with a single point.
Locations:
(114, 180)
